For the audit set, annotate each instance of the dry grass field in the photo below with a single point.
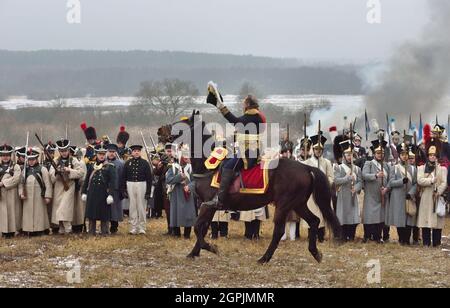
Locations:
(155, 260)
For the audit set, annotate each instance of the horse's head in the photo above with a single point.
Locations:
(166, 133)
(170, 132)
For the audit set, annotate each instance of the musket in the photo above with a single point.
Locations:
(320, 142)
(154, 146)
(49, 158)
(305, 142)
(435, 192)
(288, 132)
(150, 163)
(287, 136)
(416, 150)
(41, 157)
(380, 140)
(406, 169)
(149, 157)
(351, 160)
(24, 174)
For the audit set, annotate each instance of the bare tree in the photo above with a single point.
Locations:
(171, 96)
(59, 103)
(248, 88)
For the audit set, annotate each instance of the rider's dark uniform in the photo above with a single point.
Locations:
(248, 128)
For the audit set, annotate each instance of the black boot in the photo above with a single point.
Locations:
(226, 179)
(176, 231)
(187, 232)
(214, 230)
(114, 227)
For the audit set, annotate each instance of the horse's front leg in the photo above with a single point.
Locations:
(278, 231)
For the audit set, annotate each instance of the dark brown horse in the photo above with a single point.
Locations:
(290, 186)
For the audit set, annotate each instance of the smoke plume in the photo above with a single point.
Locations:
(418, 75)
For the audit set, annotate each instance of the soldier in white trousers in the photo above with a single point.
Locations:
(136, 186)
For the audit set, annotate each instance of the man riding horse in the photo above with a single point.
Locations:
(289, 187)
(252, 123)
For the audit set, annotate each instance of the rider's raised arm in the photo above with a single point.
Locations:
(230, 116)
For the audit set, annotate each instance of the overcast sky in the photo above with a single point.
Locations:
(319, 29)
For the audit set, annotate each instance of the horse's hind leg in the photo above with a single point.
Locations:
(313, 222)
(278, 231)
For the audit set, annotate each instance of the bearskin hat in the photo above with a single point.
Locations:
(337, 149)
(89, 132)
(123, 136)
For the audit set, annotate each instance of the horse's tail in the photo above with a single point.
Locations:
(322, 197)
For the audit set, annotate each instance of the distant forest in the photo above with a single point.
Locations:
(48, 74)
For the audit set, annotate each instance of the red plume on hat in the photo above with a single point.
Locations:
(83, 126)
(427, 133)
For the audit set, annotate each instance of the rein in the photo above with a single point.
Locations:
(203, 175)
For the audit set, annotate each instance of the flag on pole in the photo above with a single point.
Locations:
(368, 126)
(388, 130)
(345, 124)
(410, 126)
(420, 129)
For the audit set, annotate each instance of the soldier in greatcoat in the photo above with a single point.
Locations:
(69, 170)
(36, 194)
(348, 180)
(376, 192)
(10, 174)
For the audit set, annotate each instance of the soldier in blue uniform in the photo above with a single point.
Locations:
(136, 186)
(116, 207)
(98, 190)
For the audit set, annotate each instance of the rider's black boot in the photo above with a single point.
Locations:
(226, 179)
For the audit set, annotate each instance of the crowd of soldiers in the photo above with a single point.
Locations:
(399, 183)
(62, 189)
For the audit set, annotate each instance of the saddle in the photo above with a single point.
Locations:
(251, 181)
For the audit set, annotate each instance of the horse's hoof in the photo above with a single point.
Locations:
(214, 249)
(318, 256)
(191, 256)
(263, 260)
(339, 241)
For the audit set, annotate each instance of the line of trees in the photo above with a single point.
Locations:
(47, 74)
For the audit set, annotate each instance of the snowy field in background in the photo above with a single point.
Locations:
(292, 102)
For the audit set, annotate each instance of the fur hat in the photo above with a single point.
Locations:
(89, 132)
(337, 149)
(123, 136)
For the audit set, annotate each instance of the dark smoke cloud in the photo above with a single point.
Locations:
(418, 75)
